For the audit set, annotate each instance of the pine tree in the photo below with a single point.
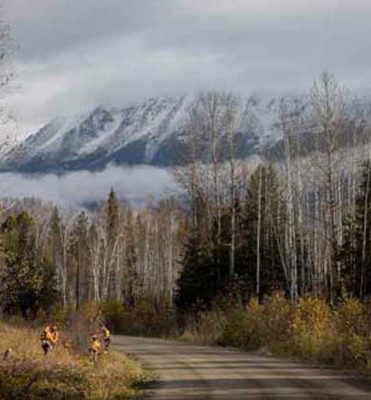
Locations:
(130, 284)
(112, 218)
(197, 282)
(28, 280)
(263, 206)
(79, 253)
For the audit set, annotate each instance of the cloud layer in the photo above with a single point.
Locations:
(74, 55)
(134, 185)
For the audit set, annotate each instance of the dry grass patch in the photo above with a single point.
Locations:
(62, 374)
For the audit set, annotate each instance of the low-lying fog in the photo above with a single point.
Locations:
(77, 188)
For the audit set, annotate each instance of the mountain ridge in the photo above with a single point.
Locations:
(151, 133)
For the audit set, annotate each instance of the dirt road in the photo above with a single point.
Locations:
(205, 373)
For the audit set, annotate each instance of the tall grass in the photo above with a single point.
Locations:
(62, 374)
(309, 329)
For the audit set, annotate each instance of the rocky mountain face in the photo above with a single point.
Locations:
(155, 133)
(152, 133)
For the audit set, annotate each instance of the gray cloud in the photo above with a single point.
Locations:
(46, 27)
(77, 54)
(131, 184)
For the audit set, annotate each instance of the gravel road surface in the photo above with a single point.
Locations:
(188, 372)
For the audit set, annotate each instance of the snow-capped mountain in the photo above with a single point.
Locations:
(152, 133)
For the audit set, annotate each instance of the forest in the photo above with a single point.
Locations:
(298, 221)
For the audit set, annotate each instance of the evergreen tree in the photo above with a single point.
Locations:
(113, 224)
(28, 280)
(130, 284)
(57, 254)
(197, 284)
(205, 278)
(112, 218)
(271, 232)
(79, 253)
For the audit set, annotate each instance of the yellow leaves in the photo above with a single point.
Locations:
(311, 315)
(358, 347)
(278, 314)
(309, 329)
(350, 316)
(352, 332)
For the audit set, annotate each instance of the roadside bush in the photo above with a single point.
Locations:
(113, 311)
(310, 329)
(206, 328)
(234, 330)
(144, 317)
(352, 341)
(254, 325)
(278, 319)
(244, 328)
(260, 325)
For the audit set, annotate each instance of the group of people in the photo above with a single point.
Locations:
(99, 342)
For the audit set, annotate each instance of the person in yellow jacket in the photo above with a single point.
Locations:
(94, 347)
(106, 337)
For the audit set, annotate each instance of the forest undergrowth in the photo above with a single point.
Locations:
(309, 330)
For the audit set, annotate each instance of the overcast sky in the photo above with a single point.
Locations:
(76, 54)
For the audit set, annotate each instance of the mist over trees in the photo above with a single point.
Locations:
(240, 229)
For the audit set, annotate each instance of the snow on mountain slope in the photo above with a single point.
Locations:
(152, 133)
(103, 132)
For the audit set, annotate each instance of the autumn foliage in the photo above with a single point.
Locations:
(63, 374)
(310, 329)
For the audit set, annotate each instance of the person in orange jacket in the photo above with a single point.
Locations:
(46, 339)
(94, 347)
